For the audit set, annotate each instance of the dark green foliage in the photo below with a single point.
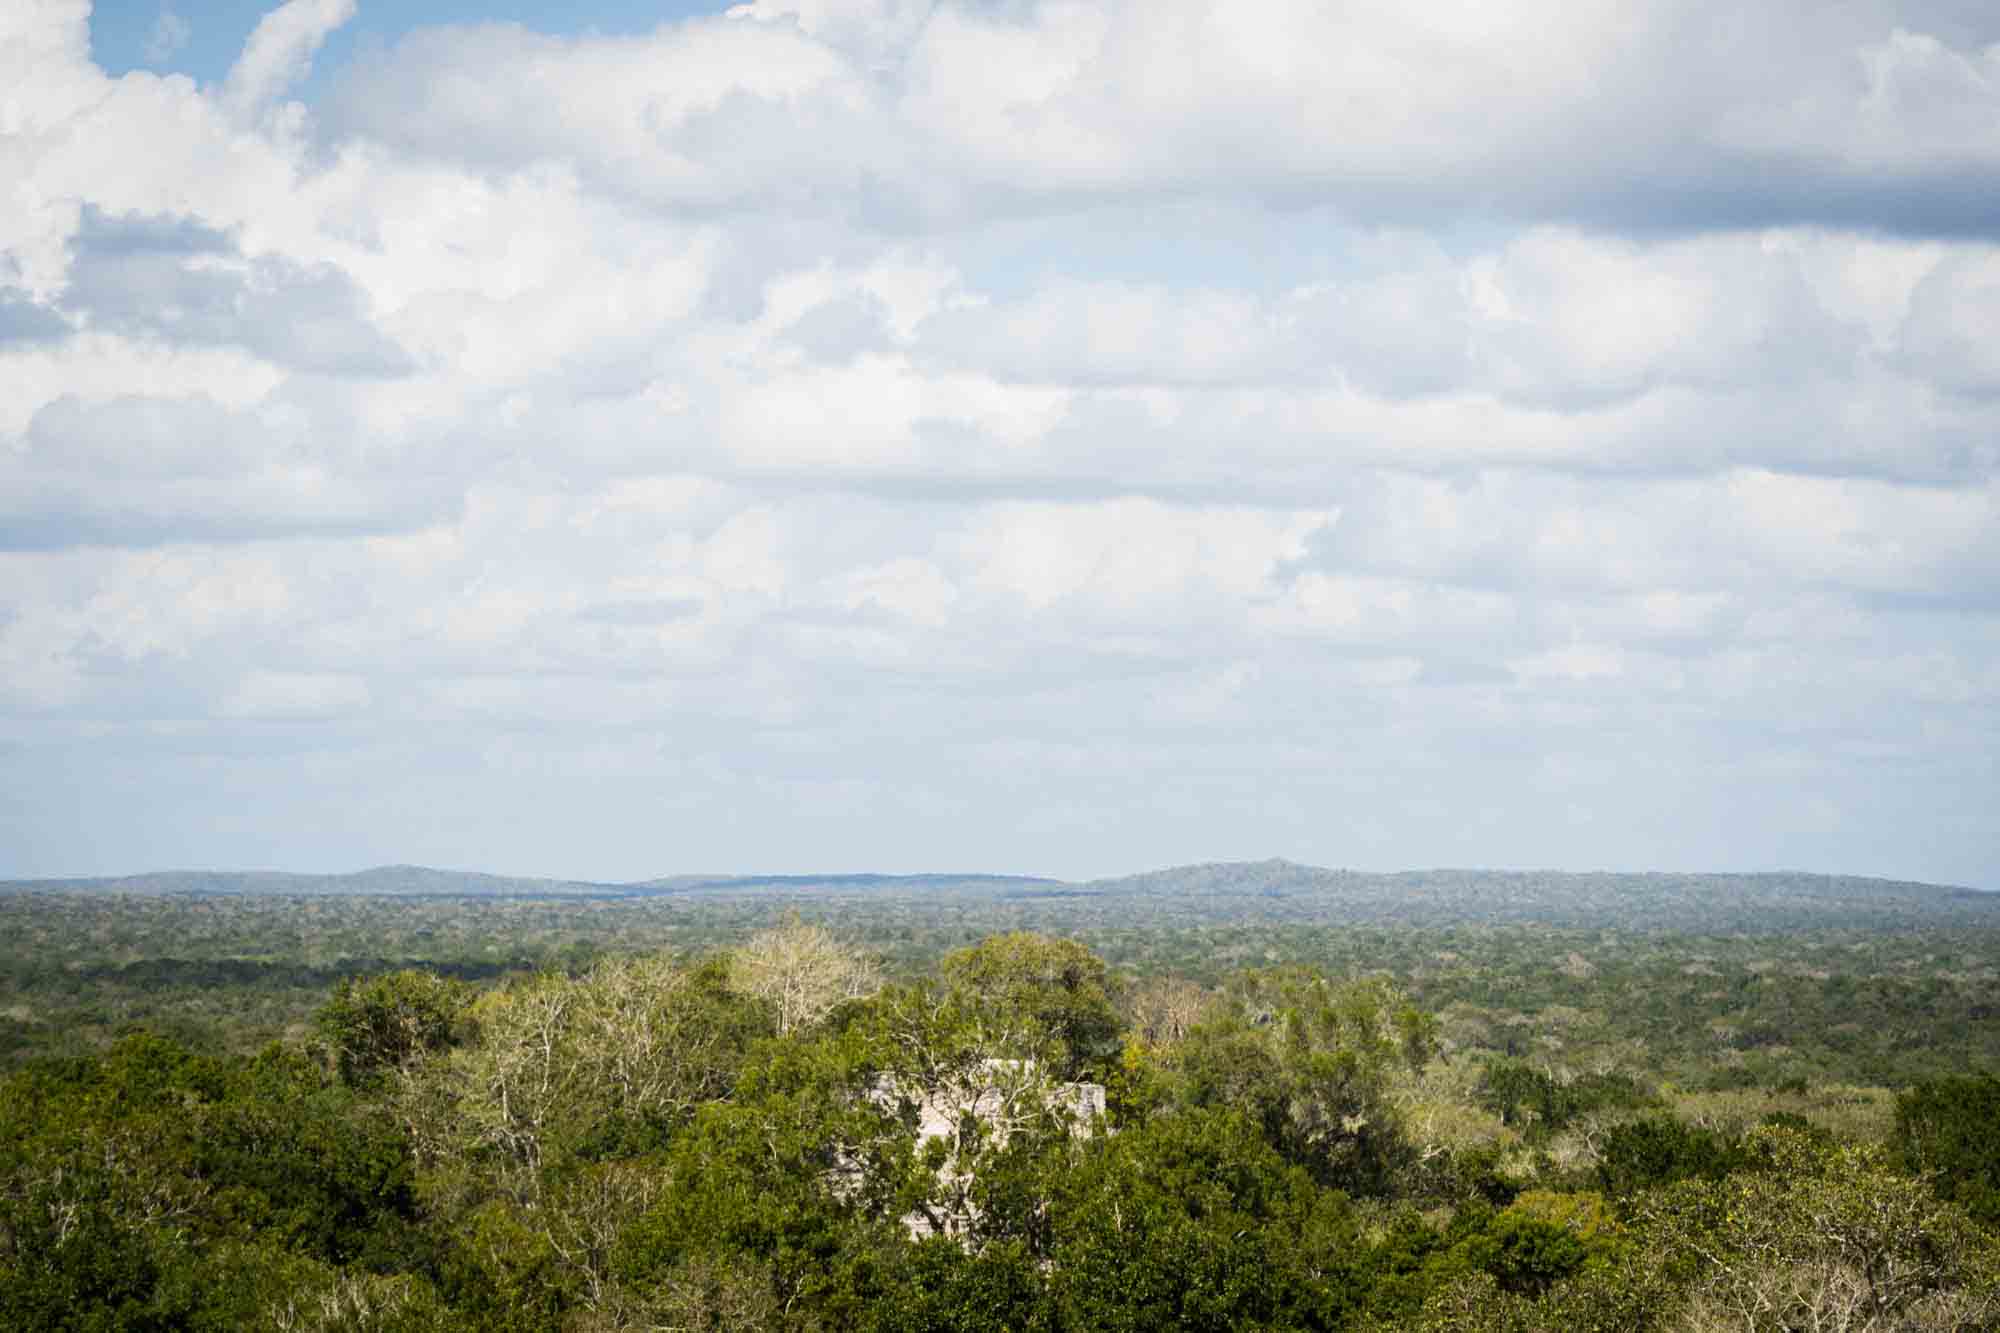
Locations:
(1526, 1255)
(1475, 1173)
(297, 1163)
(500, 1274)
(71, 1262)
(749, 1184)
(1309, 1059)
(1646, 1154)
(115, 1166)
(1399, 1267)
(937, 1284)
(1536, 1100)
(1167, 1226)
(384, 1023)
(1057, 986)
(1950, 1129)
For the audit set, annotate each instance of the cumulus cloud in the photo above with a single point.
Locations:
(187, 284)
(1951, 336)
(1555, 317)
(1661, 114)
(141, 470)
(280, 51)
(1048, 436)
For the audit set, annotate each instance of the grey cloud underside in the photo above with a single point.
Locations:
(179, 281)
(55, 522)
(23, 321)
(145, 470)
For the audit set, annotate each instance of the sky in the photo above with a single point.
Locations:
(1064, 437)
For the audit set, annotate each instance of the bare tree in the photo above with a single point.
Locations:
(555, 1060)
(1164, 1010)
(647, 1040)
(587, 1217)
(803, 971)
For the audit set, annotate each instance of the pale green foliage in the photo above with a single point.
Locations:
(1824, 1238)
(349, 1302)
(505, 1093)
(802, 971)
(1439, 1107)
(1474, 1303)
(558, 1063)
(586, 1216)
(1163, 1010)
(703, 1292)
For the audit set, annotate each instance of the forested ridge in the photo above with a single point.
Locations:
(708, 1110)
(1222, 892)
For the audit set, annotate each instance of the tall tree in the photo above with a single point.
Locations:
(802, 971)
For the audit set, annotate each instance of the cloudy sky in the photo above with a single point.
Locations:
(1054, 436)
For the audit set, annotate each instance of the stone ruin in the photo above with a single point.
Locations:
(994, 1099)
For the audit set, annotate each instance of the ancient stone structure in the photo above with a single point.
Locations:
(977, 1107)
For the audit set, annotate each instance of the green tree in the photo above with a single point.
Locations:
(1822, 1236)
(1945, 1129)
(938, 1283)
(378, 1025)
(799, 1182)
(1056, 988)
(563, 1069)
(1161, 1227)
(1312, 1062)
(126, 1179)
(1659, 1150)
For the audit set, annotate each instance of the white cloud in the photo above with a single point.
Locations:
(910, 111)
(290, 695)
(280, 51)
(1016, 434)
(1909, 101)
(1951, 335)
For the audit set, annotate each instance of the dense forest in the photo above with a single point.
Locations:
(1222, 1097)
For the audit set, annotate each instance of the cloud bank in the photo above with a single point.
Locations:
(1058, 437)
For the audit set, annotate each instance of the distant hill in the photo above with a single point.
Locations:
(1217, 893)
(1284, 890)
(425, 882)
(863, 882)
(380, 882)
